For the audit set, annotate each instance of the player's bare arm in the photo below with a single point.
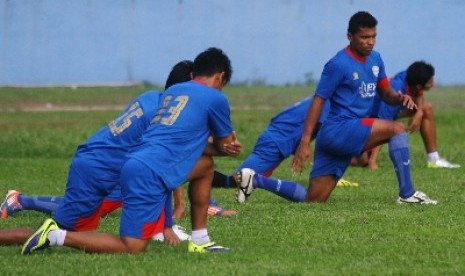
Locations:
(392, 97)
(303, 153)
(417, 117)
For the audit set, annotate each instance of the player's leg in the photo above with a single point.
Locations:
(15, 202)
(428, 134)
(258, 166)
(179, 203)
(320, 188)
(138, 219)
(15, 236)
(327, 170)
(200, 179)
(400, 156)
(222, 180)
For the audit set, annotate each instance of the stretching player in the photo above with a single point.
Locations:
(350, 81)
(277, 142)
(178, 137)
(99, 161)
(99, 144)
(418, 77)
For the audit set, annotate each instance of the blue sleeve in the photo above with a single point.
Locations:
(219, 118)
(169, 210)
(331, 77)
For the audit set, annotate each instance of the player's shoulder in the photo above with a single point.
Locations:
(150, 94)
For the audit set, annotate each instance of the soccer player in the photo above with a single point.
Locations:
(277, 142)
(174, 149)
(103, 144)
(350, 81)
(418, 78)
(93, 187)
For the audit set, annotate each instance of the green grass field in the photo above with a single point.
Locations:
(359, 231)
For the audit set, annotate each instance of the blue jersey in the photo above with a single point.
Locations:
(106, 151)
(286, 128)
(350, 84)
(189, 113)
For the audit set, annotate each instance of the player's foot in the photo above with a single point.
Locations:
(178, 230)
(244, 179)
(417, 198)
(346, 183)
(39, 240)
(442, 163)
(11, 204)
(206, 247)
(214, 209)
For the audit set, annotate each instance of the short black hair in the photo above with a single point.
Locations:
(361, 19)
(420, 73)
(211, 61)
(181, 72)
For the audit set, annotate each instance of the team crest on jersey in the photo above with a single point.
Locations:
(355, 75)
(375, 70)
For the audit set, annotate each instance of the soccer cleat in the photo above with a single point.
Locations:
(206, 247)
(39, 240)
(442, 163)
(178, 230)
(244, 179)
(11, 204)
(214, 209)
(346, 183)
(417, 198)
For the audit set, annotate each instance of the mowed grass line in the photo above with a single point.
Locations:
(359, 231)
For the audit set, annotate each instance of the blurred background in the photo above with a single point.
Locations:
(270, 42)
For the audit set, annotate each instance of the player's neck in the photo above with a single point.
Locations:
(354, 54)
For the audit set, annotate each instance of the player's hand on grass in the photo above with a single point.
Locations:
(170, 237)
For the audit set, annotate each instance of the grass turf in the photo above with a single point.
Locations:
(359, 231)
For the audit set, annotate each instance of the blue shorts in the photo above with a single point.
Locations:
(144, 196)
(336, 144)
(264, 158)
(267, 155)
(84, 196)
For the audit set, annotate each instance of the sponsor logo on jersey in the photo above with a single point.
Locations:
(355, 75)
(375, 70)
(367, 90)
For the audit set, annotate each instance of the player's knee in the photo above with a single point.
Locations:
(134, 246)
(399, 128)
(427, 109)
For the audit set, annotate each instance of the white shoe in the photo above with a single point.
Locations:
(417, 198)
(178, 230)
(442, 163)
(244, 179)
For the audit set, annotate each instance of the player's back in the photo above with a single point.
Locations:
(108, 147)
(188, 114)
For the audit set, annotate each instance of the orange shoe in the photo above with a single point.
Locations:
(214, 209)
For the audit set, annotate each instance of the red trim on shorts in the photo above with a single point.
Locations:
(368, 121)
(88, 223)
(91, 223)
(270, 172)
(152, 228)
(109, 206)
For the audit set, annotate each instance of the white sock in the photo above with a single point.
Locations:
(200, 237)
(57, 237)
(433, 156)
